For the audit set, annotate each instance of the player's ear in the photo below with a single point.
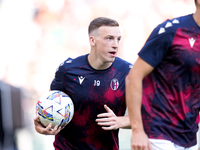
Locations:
(197, 2)
(92, 40)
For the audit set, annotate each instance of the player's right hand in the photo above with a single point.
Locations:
(140, 141)
(47, 131)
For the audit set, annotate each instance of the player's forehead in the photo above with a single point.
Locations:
(109, 30)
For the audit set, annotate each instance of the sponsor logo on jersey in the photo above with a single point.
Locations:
(192, 41)
(114, 84)
(81, 79)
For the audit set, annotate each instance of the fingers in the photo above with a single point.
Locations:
(105, 115)
(109, 113)
(106, 123)
(108, 128)
(141, 148)
(36, 120)
(149, 146)
(36, 117)
(108, 109)
(45, 130)
(55, 130)
(140, 141)
(51, 131)
(48, 128)
(105, 119)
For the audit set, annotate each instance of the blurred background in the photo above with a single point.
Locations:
(37, 35)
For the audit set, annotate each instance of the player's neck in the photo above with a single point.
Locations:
(97, 63)
(196, 17)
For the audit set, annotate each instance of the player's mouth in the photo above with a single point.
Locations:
(113, 53)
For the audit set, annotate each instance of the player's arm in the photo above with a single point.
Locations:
(109, 121)
(46, 131)
(134, 80)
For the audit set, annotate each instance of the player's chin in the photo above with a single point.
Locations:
(111, 59)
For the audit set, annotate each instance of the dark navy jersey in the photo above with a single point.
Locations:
(90, 89)
(171, 93)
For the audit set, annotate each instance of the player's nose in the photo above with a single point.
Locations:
(115, 44)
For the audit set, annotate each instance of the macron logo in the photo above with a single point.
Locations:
(192, 41)
(81, 79)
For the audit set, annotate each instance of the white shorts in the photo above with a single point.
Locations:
(157, 144)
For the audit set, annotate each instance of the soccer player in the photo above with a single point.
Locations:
(96, 84)
(165, 84)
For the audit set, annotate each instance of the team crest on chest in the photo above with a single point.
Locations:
(114, 84)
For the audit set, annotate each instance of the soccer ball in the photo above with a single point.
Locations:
(55, 107)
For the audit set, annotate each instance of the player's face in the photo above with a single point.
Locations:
(107, 43)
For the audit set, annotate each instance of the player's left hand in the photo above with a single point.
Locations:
(108, 121)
